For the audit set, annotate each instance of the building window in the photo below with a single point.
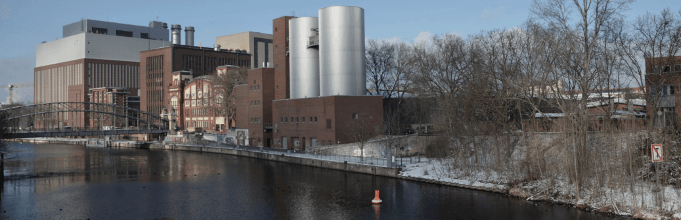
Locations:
(144, 35)
(303, 119)
(677, 68)
(285, 120)
(99, 30)
(666, 69)
(276, 47)
(277, 87)
(311, 120)
(355, 116)
(296, 119)
(292, 120)
(281, 120)
(123, 33)
(330, 142)
(315, 119)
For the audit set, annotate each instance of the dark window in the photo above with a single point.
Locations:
(99, 30)
(296, 119)
(315, 119)
(677, 68)
(123, 33)
(285, 120)
(292, 120)
(355, 116)
(328, 125)
(281, 120)
(666, 69)
(303, 119)
(144, 35)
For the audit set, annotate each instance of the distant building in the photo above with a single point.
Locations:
(663, 81)
(111, 96)
(92, 54)
(258, 45)
(158, 66)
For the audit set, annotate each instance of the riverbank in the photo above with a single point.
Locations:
(429, 172)
(348, 164)
(639, 205)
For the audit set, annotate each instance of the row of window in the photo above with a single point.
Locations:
(194, 95)
(666, 68)
(198, 102)
(202, 124)
(198, 112)
(121, 33)
(662, 89)
(295, 119)
(255, 88)
(255, 103)
(255, 120)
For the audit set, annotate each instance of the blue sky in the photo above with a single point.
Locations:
(26, 23)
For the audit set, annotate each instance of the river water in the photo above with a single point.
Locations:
(53, 181)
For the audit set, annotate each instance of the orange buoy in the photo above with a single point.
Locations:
(376, 199)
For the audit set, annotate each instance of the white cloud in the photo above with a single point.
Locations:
(490, 14)
(423, 37)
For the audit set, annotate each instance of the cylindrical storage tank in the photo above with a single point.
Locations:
(303, 61)
(176, 34)
(341, 51)
(189, 36)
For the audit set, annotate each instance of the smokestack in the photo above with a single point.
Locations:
(176, 35)
(189, 36)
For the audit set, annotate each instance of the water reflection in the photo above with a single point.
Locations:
(74, 182)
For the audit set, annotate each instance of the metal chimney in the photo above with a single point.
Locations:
(176, 35)
(216, 47)
(189, 36)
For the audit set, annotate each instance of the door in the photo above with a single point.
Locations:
(285, 146)
(314, 142)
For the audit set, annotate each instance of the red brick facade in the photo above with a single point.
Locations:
(322, 121)
(281, 59)
(158, 65)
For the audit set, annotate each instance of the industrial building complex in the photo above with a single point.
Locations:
(305, 84)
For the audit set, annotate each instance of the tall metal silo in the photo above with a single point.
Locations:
(341, 51)
(304, 60)
(176, 32)
(189, 36)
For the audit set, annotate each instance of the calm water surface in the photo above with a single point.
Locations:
(74, 182)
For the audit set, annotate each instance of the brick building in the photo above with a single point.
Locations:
(254, 106)
(113, 96)
(281, 59)
(159, 64)
(323, 121)
(663, 80)
(92, 54)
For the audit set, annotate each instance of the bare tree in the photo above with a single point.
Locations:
(360, 130)
(225, 94)
(579, 41)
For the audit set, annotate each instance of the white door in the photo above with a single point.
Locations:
(285, 147)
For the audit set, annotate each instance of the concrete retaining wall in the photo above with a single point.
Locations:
(357, 168)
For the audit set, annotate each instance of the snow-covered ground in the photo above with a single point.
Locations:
(644, 203)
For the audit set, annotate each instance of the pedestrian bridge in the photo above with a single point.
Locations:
(49, 120)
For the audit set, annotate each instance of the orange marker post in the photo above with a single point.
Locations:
(376, 200)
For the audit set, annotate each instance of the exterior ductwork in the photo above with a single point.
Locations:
(341, 51)
(176, 30)
(304, 61)
(216, 47)
(189, 36)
